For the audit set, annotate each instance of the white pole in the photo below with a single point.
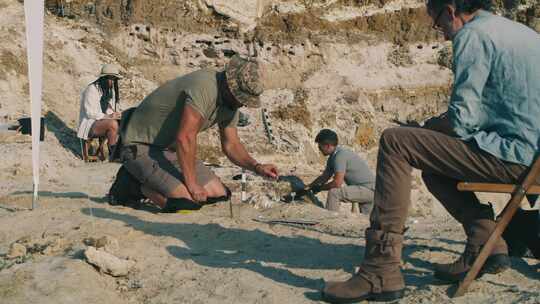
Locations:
(33, 11)
(243, 194)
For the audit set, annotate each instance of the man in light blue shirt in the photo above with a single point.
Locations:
(490, 133)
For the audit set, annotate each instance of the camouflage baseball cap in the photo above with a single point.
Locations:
(244, 81)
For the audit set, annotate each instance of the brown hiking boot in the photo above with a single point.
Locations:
(457, 270)
(477, 235)
(379, 277)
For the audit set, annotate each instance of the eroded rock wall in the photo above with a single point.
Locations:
(352, 66)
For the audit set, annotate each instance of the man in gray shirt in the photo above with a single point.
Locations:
(352, 180)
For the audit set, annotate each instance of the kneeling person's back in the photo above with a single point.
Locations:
(355, 168)
(156, 120)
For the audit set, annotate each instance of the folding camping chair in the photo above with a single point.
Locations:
(85, 148)
(518, 191)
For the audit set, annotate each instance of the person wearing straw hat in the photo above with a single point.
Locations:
(159, 137)
(98, 116)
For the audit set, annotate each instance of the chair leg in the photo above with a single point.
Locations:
(101, 152)
(505, 217)
(84, 148)
(88, 157)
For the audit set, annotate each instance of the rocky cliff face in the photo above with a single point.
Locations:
(352, 66)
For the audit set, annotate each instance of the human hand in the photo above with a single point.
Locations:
(198, 193)
(268, 170)
(440, 123)
(114, 115)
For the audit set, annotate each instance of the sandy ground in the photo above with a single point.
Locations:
(208, 257)
(355, 86)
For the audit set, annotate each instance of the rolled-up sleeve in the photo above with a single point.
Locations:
(472, 65)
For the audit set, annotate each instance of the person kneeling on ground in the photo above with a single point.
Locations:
(352, 180)
(490, 133)
(97, 117)
(160, 136)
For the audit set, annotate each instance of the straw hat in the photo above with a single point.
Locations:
(110, 70)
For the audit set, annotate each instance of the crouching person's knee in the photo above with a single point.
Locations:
(333, 200)
(215, 188)
(334, 193)
(180, 199)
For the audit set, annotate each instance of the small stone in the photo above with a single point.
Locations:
(16, 250)
(108, 263)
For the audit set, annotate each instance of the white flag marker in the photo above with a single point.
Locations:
(33, 11)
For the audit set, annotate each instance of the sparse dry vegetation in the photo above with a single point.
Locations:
(296, 111)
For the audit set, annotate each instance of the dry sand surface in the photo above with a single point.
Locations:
(353, 66)
(207, 257)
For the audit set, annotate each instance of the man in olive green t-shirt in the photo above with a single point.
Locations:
(160, 136)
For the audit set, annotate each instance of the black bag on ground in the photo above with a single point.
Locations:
(521, 234)
(115, 154)
(125, 190)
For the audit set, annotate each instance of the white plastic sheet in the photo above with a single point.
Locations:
(33, 11)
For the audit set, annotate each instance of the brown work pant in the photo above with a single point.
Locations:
(444, 161)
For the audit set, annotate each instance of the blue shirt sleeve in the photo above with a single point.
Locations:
(472, 65)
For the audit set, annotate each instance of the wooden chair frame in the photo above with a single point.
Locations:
(85, 145)
(518, 192)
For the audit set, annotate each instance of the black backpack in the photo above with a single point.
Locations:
(125, 190)
(521, 234)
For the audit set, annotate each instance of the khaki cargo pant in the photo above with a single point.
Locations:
(350, 194)
(444, 161)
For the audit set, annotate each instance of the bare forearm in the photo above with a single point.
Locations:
(186, 150)
(239, 156)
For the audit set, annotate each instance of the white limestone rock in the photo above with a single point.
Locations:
(107, 262)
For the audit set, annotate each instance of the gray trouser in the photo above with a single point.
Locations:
(350, 194)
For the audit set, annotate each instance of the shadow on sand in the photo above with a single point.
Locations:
(74, 195)
(269, 255)
(65, 135)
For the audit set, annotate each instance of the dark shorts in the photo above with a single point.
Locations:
(158, 169)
